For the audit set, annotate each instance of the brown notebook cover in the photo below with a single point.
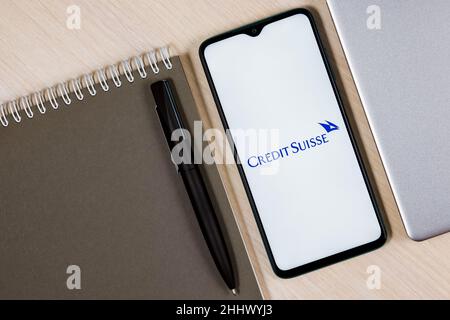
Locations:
(92, 185)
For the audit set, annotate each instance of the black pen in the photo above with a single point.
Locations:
(167, 110)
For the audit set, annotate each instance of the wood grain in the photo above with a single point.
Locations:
(38, 50)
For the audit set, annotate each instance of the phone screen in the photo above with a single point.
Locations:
(307, 188)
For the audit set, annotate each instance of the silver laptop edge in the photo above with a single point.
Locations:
(398, 54)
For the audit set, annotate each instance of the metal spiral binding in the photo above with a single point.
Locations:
(88, 82)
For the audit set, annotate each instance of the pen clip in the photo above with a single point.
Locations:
(167, 145)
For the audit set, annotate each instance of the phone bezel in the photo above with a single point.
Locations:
(249, 30)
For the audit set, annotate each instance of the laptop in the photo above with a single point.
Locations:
(399, 54)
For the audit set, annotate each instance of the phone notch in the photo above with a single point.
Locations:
(254, 30)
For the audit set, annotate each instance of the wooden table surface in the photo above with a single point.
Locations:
(37, 50)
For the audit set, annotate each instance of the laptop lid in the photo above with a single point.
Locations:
(398, 52)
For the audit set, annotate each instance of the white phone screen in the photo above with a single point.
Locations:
(303, 173)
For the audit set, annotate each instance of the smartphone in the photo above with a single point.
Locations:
(308, 188)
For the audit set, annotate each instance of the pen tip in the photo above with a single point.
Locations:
(234, 292)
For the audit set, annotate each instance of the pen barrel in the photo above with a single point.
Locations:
(208, 221)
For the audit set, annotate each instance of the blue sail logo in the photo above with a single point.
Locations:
(329, 126)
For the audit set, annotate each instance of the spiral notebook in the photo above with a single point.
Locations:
(90, 203)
